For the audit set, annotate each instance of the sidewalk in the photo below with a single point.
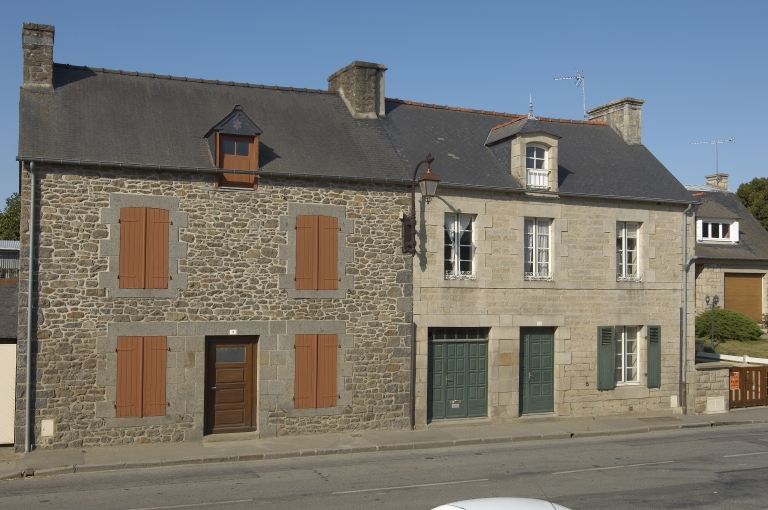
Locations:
(439, 435)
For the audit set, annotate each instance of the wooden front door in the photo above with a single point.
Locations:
(230, 382)
(537, 370)
(458, 373)
(743, 294)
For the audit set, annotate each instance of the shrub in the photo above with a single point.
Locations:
(729, 325)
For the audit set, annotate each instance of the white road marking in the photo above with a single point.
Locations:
(745, 454)
(411, 486)
(212, 503)
(614, 467)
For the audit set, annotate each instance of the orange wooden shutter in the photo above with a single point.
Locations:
(129, 376)
(328, 253)
(155, 354)
(156, 265)
(132, 247)
(305, 385)
(306, 252)
(327, 352)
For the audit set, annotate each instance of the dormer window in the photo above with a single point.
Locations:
(235, 143)
(726, 231)
(537, 173)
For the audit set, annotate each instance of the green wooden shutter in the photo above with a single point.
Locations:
(605, 358)
(654, 356)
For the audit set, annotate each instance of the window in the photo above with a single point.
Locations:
(143, 248)
(459, 247)
(317, 246)
(537, 249)
(717, 231)
(315, 378)
(618, 356)
(627, 252)
(141, 363)
(237, 153)
(536, 167)
(626, 352)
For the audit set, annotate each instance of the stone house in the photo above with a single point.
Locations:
(731, 251)
(217, 257)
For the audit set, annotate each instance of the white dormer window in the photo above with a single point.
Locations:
(725, 231)
(537, 173)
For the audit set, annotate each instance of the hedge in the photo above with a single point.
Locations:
(729, 325)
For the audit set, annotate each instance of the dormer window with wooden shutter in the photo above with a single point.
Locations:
(235, 144)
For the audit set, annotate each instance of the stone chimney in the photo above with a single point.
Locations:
(37, 44)
(361, 86)
(717, 180)
(625, 116)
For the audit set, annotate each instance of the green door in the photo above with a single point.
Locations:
(458, 379)
(537, 370)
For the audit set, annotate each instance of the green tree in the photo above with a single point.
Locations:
(10, 218)
(754, 196)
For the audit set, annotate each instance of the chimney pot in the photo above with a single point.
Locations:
(625, 116)
(361, 87)
(37, 45)
(717, 180)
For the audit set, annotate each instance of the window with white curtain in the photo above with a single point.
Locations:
(537, 249)
(627, 355)
(459, 247)
(627, 251)
(537, 173)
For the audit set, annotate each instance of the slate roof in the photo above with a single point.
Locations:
(717, 203)
(107, 116)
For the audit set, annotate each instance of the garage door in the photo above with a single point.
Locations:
(743, 294)
(7, 391)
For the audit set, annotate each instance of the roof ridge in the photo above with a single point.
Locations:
(453, 108)
(195, 80)
(552, 119)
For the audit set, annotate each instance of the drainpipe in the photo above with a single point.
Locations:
(686, 267)
(413, 375)
(28, 417)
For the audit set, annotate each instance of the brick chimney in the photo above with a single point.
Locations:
(625, 116)
(37, 44)
(717, 180)
(361, 86)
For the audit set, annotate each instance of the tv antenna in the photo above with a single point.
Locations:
(579, 81)
(716, 143)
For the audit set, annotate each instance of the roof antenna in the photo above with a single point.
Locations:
(579, 81)
(530, 108)
(716, 143)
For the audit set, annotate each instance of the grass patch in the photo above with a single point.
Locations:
(757, 349)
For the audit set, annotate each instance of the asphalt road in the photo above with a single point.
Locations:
(700, 468)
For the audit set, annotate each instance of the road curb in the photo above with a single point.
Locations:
(249, 457)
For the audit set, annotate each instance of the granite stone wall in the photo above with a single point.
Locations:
(712, 381)
(226, 246)
(582, 296)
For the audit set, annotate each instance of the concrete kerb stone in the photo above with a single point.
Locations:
(61, 470)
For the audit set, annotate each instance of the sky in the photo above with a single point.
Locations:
(701, 66)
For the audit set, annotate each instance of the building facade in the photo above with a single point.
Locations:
(215, 257)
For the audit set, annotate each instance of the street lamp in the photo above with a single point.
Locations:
(715, 300)
(428, 186)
